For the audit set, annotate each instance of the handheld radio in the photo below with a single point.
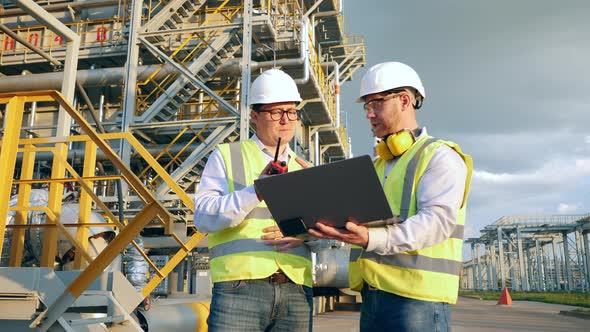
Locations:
(277, 167)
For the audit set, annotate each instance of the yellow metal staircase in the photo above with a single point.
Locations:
(152, 210)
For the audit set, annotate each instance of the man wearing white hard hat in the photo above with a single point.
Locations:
(261, 280)
(408, 272)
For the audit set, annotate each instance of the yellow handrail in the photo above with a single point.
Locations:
(12, 145)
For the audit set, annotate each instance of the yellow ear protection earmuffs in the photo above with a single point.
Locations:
(394, 145)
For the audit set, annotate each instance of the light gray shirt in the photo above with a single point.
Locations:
(439, 196)
(215, 207)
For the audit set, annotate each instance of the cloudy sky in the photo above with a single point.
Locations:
(509, 80)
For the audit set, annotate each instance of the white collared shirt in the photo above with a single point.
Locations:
(215, 207)
(439, 196)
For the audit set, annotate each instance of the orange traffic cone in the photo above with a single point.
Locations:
(505, 297)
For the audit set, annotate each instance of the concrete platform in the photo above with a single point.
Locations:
(480, 316)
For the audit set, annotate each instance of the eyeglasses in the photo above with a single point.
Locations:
(377, 103)
(276, 115)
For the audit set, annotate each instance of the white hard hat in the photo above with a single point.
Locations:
(387, 76)
(273, 86)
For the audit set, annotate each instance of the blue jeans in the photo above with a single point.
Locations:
(383, 311)
(258, 305)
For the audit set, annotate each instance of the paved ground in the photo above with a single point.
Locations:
(480, 316)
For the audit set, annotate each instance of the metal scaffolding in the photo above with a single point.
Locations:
(160, 84)
(530, 253)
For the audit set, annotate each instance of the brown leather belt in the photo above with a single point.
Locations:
(277, 278)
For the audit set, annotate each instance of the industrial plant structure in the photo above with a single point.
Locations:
(109, 110)
(530, 253)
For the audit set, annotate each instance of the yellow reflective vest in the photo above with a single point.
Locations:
(238, 253)
(428, 274)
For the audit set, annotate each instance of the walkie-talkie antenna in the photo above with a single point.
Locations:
(278, 147)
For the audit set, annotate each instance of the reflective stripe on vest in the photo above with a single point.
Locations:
(409, 180)
(238, 169)
(417, 262)
(245, 245)
(355, 252)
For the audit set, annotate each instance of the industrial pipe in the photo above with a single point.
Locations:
(316, 149)
(233, 67)
(331, 268)
(62, 6)
(179, 317)
(76, 153)
(88, 78)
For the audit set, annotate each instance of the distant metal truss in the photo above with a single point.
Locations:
(531, 253)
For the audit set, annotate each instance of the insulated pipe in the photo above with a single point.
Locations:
(32, 116)
(179, 317)
(331, 268)
(201, 99)
(100, 156)
(326, 14)
(233, 67)
(303, 55)
(101, 108)
(88, 78)
(317, 149)
(62, 6)
(336, 88)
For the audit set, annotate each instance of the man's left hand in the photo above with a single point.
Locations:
(353, 234)
(274, 237)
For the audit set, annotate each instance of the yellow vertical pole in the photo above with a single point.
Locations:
(24, 193)
(85, 201)
(13, 123)
(54, 203)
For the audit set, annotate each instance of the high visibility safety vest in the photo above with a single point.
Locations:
(238, 253)
(429, 274)
(355, 279)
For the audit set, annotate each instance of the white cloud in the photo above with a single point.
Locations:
(567, 208)
(583, 165)
(552, 173)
